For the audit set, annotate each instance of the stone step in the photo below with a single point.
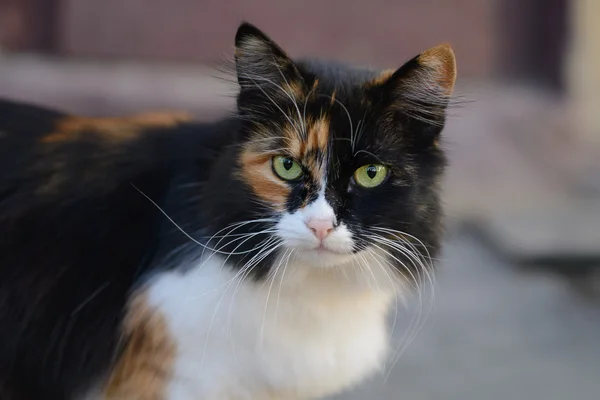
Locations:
(565, 237)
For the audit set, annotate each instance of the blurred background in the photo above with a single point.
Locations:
(517, 310)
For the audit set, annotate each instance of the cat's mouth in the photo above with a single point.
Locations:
(323, 248)
(323, 256)
(327, 252)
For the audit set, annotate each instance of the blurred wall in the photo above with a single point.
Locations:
(584, 68)
(28, 24)
(532, 40)
(377, 32)
(514, 39)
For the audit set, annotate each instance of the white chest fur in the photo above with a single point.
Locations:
(297, 335)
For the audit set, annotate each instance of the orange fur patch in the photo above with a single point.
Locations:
(112, 129)
(315, 84)
(257, 172)
(255, 160)
(442, 62)
(144, 368)
(296, 90)
(318, 135)
(383, 77)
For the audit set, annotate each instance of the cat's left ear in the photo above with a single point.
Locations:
(420, 90)
(260, 62)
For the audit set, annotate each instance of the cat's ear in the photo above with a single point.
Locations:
(421, 89)
(260, 62)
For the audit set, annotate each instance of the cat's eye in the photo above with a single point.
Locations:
(370, 175)
(287, 168)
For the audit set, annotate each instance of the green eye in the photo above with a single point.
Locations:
(286, 168)
(370, 175)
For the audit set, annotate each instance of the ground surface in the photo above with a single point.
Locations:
(497, 333)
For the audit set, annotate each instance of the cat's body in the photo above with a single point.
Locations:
(158, 258)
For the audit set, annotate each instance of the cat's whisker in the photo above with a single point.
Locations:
(263, 246)
(250, 265)
(413, 324)
(199, 267)
(412, 280)
(289, 119)
(402, 235)
(310, 93)
(426, 269)
(244, 239)
(371, 154)
(239, 237)
(417, 322)
(272, 278)
(362, 123)
(409, 335)
(293, 99)
(205, 247)
(413, 254)
(233, 227)
(281, 283)
(368, 268)
(352, 141)
(395, 283)
(415, 281)
(167, 216)
(238, 274)
(392, 281)
(248, 237)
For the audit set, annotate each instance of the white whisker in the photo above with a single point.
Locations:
(289, 119)
(416, 259)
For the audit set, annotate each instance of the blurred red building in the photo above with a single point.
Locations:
(500, 38)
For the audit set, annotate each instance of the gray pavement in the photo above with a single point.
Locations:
(496, 333)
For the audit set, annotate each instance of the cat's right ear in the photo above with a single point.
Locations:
(260, 62)
(421, 89)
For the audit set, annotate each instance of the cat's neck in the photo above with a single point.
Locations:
(288, 279)
(300, 324)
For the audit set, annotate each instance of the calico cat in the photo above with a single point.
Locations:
(154, 257)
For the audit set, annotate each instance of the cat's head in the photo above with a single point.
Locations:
(335, 165)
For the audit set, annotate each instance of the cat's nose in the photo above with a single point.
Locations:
(321, 228)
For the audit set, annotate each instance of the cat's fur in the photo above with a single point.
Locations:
(153, 257)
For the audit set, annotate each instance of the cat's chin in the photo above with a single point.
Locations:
(321, 257)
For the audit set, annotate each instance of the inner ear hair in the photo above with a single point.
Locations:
(439, 67)
(259, 60)
(422, 87)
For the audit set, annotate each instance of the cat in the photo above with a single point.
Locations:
(155, 257)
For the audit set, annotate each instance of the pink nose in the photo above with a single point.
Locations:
(321, 228)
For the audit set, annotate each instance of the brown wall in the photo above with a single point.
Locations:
(378, 32)
(28, 24)
(523, 39)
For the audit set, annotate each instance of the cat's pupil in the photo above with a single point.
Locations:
(371, 171)
(287, 163)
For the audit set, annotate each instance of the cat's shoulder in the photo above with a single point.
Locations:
(23, 121)
(46, 130)
(49, 155)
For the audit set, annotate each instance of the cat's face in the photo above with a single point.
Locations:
(341, 163)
